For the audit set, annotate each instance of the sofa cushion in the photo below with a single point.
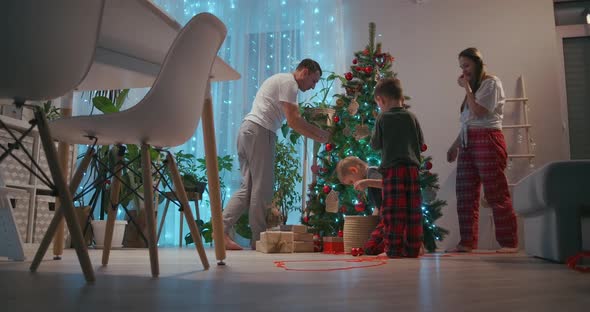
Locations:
(560, 183)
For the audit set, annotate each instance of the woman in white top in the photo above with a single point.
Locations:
(482, 156)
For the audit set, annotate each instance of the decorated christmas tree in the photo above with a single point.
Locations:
(352, 122)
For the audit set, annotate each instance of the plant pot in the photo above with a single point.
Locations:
(357, 230)
(198, 187)
(99, 228)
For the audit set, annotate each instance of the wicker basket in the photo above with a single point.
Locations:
(357, 230)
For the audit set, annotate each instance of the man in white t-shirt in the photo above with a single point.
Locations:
(275, 101)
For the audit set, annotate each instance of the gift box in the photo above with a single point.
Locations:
(295, 228)
(333, 244)
(303, 247)
(275, 242)
(303, 237)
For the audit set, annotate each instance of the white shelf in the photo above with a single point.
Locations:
(521, 155)
(516, 126)
(512, 100)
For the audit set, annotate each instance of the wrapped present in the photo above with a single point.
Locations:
(303, 247)
(275, 242)
(303, 237)
(333, 244)
(295, 228)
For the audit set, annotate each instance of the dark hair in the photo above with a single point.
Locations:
(390, 88)
(480, 73)
(311, 65)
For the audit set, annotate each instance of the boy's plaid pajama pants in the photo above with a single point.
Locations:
(399, 232)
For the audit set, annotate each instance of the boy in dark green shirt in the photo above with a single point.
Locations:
(399, 137)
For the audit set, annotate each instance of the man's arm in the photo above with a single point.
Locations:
(297, 123)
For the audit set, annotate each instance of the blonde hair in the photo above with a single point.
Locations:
(342, 169)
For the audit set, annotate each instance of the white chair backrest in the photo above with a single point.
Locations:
(174, 104)
(47, 47)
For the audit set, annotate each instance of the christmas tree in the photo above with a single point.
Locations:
(352, 124)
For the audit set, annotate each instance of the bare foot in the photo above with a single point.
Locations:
(230, 244)
(507, 250)
(459, 248)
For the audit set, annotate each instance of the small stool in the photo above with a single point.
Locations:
(192, 196)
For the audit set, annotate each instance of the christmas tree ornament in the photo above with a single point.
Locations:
(360, 207)
(368, 69)
(354, 61)
(340, 233)
(353, 107)
(366, 52)
(328, 147)
(423, 148)
(326, 189)
(332, 202)
(428, 165)
(348, 76)
(343, 209)
(359, 69)
(336, 119)
(361, 132)
(339, 102)
(346, 131)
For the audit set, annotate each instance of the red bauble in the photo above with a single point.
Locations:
(368, 69)
(340, 233)
(328, 147)
(336, 119)
(423, 148)
(359, 69)
(354, 61)
(348, 76)
(324, 170)
(355, 251)
(326, 189)
(360, 207)
(428, 165)
(366, 52)
(305, 219)
(343, 209)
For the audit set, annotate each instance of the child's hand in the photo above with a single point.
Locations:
(462, 81)
(360, 185)
(452, 153)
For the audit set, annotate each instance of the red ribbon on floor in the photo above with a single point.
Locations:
(376, 261)
(572, 262)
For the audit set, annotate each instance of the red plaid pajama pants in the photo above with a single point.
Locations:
(399, 232)
(483, 162)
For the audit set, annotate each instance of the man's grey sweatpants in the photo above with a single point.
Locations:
(256, 153)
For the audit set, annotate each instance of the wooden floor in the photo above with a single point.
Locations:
(252, 282)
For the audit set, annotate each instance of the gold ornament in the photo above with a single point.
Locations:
(361, 132)
(339, 102)
(332, 202)
(353, 107)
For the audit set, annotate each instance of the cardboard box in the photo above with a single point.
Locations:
(303, 247)
(275, 242)
(295, 228)
(303, 237)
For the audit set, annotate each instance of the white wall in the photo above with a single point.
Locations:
(515, 37)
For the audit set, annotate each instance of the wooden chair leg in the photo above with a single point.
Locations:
(213, 179)
(148, 198)
(64, 195)
(58, 217)
(112, 211)
(192, 225)
(58, 239)
(163, 219)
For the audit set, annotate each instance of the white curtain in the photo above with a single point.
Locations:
(264, 37)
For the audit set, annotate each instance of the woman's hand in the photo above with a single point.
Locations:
(452, 153)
